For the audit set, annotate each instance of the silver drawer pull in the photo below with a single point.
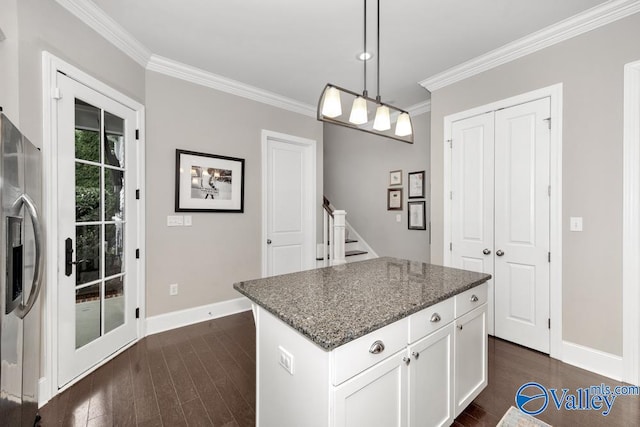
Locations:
(377, 347)
(474, 298)
(415, 354)
(435, 317)
(406, 360)
(460, 327)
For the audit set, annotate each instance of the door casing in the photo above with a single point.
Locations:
(51, 65)
(555, 166)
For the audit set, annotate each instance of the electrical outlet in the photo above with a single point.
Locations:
(187, 220)
(286, 360)
(173, 289)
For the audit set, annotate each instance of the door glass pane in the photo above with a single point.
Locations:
(113, 194)
(87, 131)
(114, 253)
(113, 304)
(87, 192)
(88, 308)
(87, 253)
(114, 143)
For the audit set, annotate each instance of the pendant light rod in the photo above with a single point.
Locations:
(378, 47)
(364, 62)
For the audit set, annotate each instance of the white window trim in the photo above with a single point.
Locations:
(555, 283)
(51, 65)
(631, 226)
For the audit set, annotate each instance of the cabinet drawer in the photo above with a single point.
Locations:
(470, 299)
(430, 319)
(356, 356)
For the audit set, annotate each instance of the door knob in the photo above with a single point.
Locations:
(499, 252)
(268, 241)
(486, 252)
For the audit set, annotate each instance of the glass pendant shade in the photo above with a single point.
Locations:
(332, 106)
(403, 125)
(382, 121)
(359, 111)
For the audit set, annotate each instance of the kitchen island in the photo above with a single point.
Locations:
(383, 342)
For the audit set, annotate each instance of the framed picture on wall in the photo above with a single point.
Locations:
(395, 178)
(417, 215)
(394, 199)
(416, 185)
(208, 183)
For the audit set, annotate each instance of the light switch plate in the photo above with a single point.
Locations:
(187, 220)
(575, 223)
(175, 220)
(398, 218)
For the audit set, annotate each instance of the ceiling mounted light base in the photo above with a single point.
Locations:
(393, 123)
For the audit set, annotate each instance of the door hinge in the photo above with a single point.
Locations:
(137, 134)
(451, 246)
(549, 323)
(450, 195)
(137, 312)
(549, 191)
(137, 253)
(55, 93)
(138, 194)
(450, 141)
(548, 120)
(549, 256)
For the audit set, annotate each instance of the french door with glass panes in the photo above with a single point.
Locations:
(97, 228)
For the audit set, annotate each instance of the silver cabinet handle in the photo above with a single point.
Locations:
(406, 360)
(377, 347)
(268, 241)
(24, 308)
(474, 298)
(435, 318)
(499, 252)
(80, 261)
(415, 354)
(460, 327)
(486, 251)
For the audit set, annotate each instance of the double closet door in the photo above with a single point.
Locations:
(500, 215)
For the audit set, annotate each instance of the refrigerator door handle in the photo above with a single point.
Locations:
(24, 308)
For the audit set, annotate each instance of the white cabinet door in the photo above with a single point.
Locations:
(376, 397)
(431, 379)
(470, 357)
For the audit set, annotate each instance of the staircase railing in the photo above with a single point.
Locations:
(333, 243)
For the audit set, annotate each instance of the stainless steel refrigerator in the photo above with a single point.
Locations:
(21, 267)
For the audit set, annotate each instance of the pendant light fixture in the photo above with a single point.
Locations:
(330, 103)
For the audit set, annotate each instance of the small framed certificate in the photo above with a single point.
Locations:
(395, 177)
(417, 216)
(394, 199)
(416, 185)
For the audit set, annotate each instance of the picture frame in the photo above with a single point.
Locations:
(416, 215)
(394, 199)
(208, 183)
(395, 178)
(416, 185)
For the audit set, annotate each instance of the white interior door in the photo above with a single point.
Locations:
(98, 217)
(290, 197)
(472, 201)
(522, 224)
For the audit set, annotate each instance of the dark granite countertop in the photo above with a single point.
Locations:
(334, 305)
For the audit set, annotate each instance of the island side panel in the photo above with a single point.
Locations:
(284, 399)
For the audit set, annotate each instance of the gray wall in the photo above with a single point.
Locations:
(9, 60)
(356, 179)
(591, 68)
(45, 25)
(220, 248)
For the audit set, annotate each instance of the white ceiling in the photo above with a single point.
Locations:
(293, 48)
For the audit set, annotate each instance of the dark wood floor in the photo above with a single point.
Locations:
(204, 375)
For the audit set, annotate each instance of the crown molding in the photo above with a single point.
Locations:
(103, 24)
(198, 76)
(588, 20)
(420, 108)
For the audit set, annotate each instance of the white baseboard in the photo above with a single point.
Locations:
(597, 361)
(177, 319)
